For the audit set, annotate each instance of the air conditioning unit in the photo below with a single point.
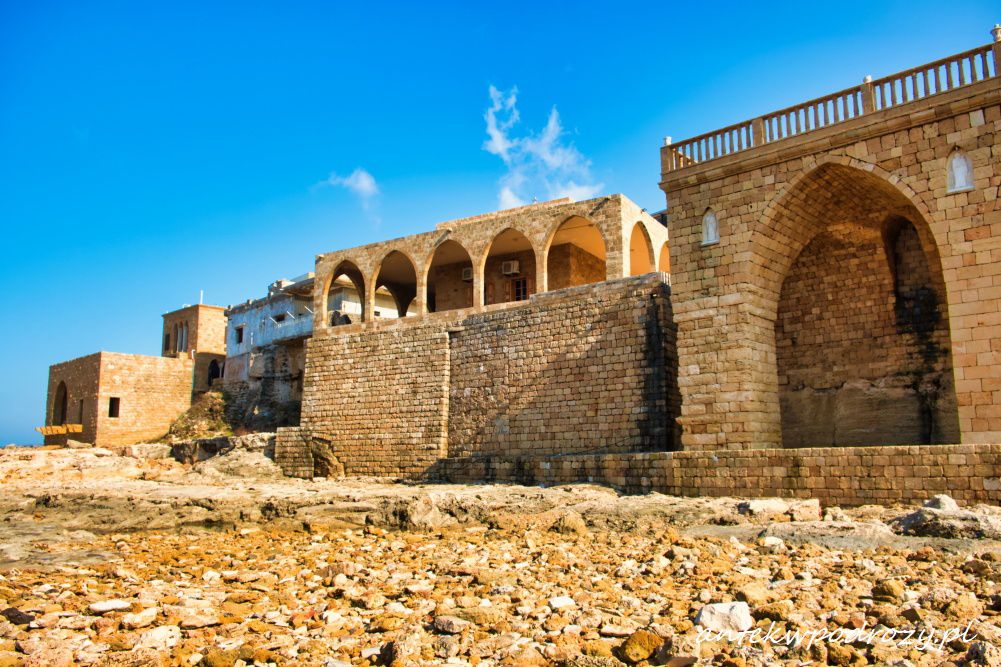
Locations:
(467, 274)
(510, 268)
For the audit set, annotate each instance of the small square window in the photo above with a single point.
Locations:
(114, 405)
(280, 317)
(239, 335)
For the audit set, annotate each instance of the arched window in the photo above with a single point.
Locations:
(710, 228)
(59, 405)
(215, 371)
(960, 172)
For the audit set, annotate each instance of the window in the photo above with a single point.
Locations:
(519, 289)
(166, 342)
(114, 405)
(239, 335)
(279, 317)
(79, 412)
(960, 172)
(710, 228)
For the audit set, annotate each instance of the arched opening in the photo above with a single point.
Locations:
(710, 227)
(960, 176)
(395, 287)
(509, 268)
(576, 254)
(862, 343)
(59, 405)
(664, 263)
(640, 251)
(450, 278)
(346, 295)
(215, 371)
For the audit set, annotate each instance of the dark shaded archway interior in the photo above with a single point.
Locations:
(861, 333)
(338, 298)
(450, 278)
(398, 275)
(59, 405)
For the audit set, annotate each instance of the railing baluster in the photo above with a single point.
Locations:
(915, 84)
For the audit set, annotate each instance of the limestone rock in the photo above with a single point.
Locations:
(106, 606)
(451, 625)
(725, 617)
(639, 646)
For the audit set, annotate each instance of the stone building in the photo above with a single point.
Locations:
(120, 399)
(544, 329)
(824, 321)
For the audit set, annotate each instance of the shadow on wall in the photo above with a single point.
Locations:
(596, 374)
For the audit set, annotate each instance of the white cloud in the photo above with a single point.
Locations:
(360, 182)
(543, 166)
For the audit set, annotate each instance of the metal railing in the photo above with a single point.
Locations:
(962, 69)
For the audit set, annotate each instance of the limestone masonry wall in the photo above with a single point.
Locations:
(582, 369)
(836, 476)
(151, 393)
(380, 398)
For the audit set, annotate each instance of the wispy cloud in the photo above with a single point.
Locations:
(544, 165)
(359, 181)
(362, 185)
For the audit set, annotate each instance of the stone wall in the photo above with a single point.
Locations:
(846, 476)
(772, 200)
(379, 397)
(584, 369)
(854, 367)
(152, 392)
(264, 390)
(570, 265)
(81, 378)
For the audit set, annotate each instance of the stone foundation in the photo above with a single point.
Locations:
(836, 475)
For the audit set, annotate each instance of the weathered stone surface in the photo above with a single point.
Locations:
(725, 617)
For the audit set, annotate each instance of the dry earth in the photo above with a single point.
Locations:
(115, 560)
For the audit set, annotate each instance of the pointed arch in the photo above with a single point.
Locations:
(449, 277)
(664, 261)
(863, 356)
(345, 295)
(960, 172)
(59, 405)
(641, 257)
(508, 268)
(710, 227)
(397, 273)
(575, 254)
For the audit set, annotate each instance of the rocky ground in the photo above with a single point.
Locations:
(115, 560)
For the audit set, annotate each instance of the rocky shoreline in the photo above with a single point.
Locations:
(107, 559)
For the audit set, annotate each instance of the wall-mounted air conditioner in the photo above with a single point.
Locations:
(510, 268)
(467, 274)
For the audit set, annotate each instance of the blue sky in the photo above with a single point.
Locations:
(151, 151)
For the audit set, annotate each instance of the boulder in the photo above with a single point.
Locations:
(725, 617)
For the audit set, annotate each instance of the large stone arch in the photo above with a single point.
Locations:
(508, 244)
(446, 288)
(354, 273)
(642, 258)
(585, 265)
(399, 273)
(851, 312)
